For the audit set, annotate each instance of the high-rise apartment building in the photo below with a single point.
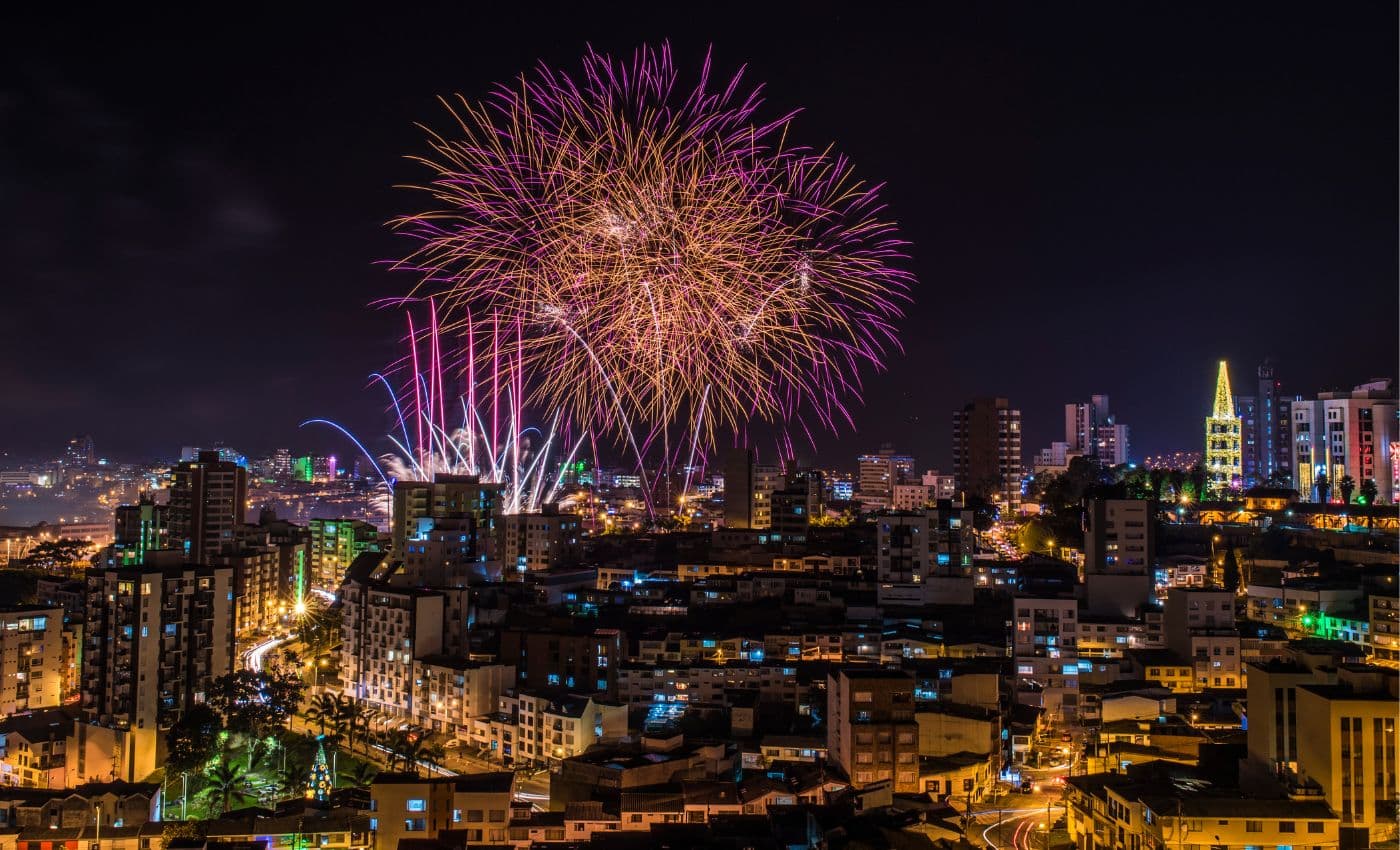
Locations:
(383, 629)
(871, 731)
(880, 472)
(155, 637)
(31, 658)
(738, 488)
(767, 480)
(1265, 449)
(208, 500)
(1341, 434)
(1223, 436)
(334, 545)
(79, 453)
(1092, 430)
(140, 528)
(534, 542)
(987, 451)
(417, 504)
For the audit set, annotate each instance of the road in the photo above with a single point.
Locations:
(253, 657)
(1020, 828)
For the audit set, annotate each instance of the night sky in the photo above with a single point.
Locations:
(1100, 198)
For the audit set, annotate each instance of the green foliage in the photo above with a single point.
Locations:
(1346, 486)
(194, 739)
(1232, 572)
(1324, 487)
(194, 830)
(225, 784)
(255, 705)
(58, 555)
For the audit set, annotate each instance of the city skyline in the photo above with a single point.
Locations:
(1249, 174)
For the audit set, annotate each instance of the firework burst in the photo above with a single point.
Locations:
(665, 258)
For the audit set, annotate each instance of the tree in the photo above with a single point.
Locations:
(1197, 477)
(1347, 486)
(1232, 571)
(256, 703)
(193, 740)
(226, 782)
(1177, 477)
(57, 555)
(324, 710)
(1324, 487)
(361, 775)
(1368, 491)
(1156, 479)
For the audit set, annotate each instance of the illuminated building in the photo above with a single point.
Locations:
(1343, 434)
(748, 490)
(879, 472)
(334, 544)
(208, 498)
(31, 658)
(1091, 430)
(1223, 460)
(140, 528)
(535, 542)
(987, 451)
(872, 734)
(417, 504)
(156, 636)
(80, 452)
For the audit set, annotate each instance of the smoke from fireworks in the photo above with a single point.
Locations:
(665, 259)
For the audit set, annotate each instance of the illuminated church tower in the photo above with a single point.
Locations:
(1223, 471)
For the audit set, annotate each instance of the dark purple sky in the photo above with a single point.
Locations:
(1101, 198)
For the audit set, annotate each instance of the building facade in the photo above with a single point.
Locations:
(987, 451)
(208, 499)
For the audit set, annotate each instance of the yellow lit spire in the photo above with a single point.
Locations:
(1224, 400)
(1222, 456)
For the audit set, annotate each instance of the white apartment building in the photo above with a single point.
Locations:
(31, 658)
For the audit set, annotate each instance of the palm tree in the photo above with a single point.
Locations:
(1346, 486)
(1324, 487)
(225, 783)
(1156, 478)
(348, 716)
(361, 775)
(1177, 477)
(1368, 491)
(323, 711)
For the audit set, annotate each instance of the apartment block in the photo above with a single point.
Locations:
(31, 658)
(156, 636)
(872, 734)
(406, 806)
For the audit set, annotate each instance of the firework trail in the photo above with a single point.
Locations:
(669, 262)
(509, 453)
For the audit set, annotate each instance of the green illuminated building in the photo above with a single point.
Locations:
(334, 544)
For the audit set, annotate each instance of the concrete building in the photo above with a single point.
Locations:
(902, 547)
(790, 517)
(583, 660)
(872, 734)
(31, 658)
(383, 630)
(156, 636)
(208, 499)
(987, 451)
(878, 473)
(1341, 434)
(738, 488)
(262, 589)
(1092, 430)
(536, 542)
(1347, 741)
(767, 480)
(419, 504)
(449, 691)
(1046, 654)
(406, 806)
(140, 528)
(541, 729)
(1119, 536)
(1199, 626)
(1385, 626)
